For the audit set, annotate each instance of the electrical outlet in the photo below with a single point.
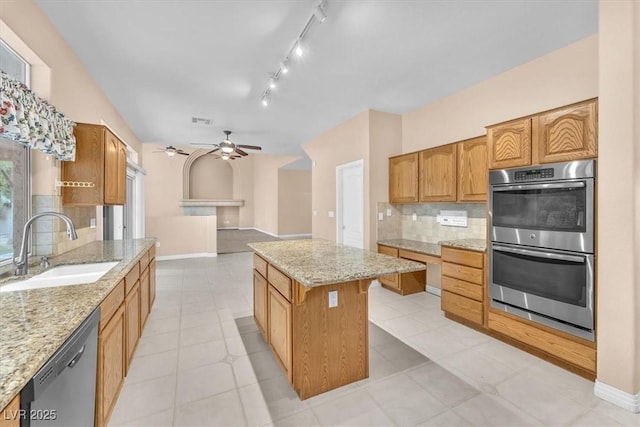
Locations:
(332, 214)
(333, 299)
(92, 223)
(157, 244)
(389, 211)
(380, 216)
(414, 217)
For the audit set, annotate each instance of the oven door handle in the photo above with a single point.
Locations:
(551, 185)
(537, 254)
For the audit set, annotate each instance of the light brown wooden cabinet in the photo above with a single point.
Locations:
(260, 298)
(144, 297)
(563, 134)
(403, 178)
(112, 357)
(10, 416)
(437, 168)
(406, 283)
(132, 319)
(472, 177)
(280, 324)
(101, 159)
(462, 284)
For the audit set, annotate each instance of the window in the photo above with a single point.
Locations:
(15, 171)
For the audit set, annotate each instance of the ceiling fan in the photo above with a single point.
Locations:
(172, 151)
(229, 150)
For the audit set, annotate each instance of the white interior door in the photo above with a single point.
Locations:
(350, 203)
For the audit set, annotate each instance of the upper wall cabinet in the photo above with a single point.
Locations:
(472, 170)
(101, 159)
(438, 174)
(563, 134)
(403, 178)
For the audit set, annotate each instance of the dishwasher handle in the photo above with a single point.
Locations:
(77, 357)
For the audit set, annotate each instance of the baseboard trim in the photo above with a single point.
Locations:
(294, 236)
(628, 401)
(433, 290)
(183, 256)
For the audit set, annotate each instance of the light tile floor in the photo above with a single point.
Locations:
(192, 368)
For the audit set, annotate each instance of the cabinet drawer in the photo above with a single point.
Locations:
(131, 278)
(468, 274)
(387, 250)
(416, 256)
(144, 261)
(460, 287)
(566, 349)
(260, 265)
(111, 303)
(461, 256)
(461, 306)
(280, 281)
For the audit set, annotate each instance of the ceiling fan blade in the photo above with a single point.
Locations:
(212, 151)
(250, 147)
(203, 143)
(182, 152)
(239, 151)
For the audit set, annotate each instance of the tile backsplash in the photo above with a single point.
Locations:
(400, 224)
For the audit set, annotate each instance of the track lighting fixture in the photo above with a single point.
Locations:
(318, 14)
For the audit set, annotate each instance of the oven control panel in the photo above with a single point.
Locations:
(533, 174)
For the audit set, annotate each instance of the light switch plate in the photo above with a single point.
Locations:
(389, 211)
(332, 214)
(333, 299)
(92, 223)
(380, 216)
(414, 217)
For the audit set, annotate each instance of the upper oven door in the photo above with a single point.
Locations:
(550, 214)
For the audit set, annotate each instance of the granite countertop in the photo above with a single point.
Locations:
(479, 245)
(317, 262)
(35, 323)
(413, 245)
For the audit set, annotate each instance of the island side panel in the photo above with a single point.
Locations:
(330, 345)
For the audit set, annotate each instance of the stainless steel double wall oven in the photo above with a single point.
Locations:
(542, 244)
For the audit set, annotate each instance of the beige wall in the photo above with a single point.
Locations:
(163, 183)
(345, 143)
(265, 190)
(243, 190)
(294, 202)
(228, 216)
(211, 178)
(564, 76)
(618, 322)
(184, 235)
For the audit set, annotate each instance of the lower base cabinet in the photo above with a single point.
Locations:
(405, 283)
(132, 318)
(462, 284)
(280, 330)
(111, 365)
(10, 416)
(260, 299)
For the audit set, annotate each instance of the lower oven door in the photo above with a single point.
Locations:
(551, 287)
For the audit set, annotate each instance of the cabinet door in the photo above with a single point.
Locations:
(132, 320)
(87, 167)
(152, 282)
(111, 168)
(260, 303)
(509, 144)
(569, 133)
(144, 297)
(472, 170)
(121, 198)
(403, 178)
(438, 174)
(10, 415)
(279, 322)
(111, 366)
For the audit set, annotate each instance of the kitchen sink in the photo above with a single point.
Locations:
(64, 275)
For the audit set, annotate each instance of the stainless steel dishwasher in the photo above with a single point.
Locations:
(62, 392)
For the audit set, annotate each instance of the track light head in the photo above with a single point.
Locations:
(272, 82)
(298, 49)
(265, 100)
(284, 66)
(318, 12)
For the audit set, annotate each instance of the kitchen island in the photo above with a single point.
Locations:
(310, 304)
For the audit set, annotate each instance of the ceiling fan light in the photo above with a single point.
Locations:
(225, 156)
(227, 150)
(171, 153)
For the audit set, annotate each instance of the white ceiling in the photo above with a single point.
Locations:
(161, 62)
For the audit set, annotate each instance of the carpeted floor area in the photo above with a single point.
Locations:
(232, 241)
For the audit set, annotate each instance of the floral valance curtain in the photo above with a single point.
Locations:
(28, 119)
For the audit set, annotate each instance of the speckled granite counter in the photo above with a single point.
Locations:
(413, 245)
(479, 245)
(317, 262)
(35, 323)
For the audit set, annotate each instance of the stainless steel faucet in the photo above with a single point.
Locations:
(22, 261)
